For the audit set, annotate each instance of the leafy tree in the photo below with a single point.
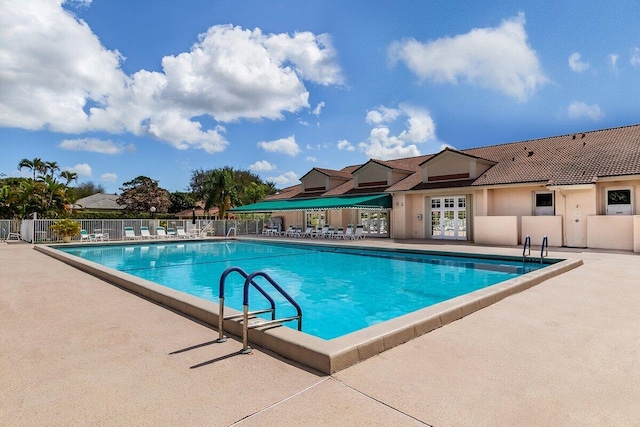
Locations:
(227, 187)
(68, 176)
(181, 201)
(141, 193)
(87, 188)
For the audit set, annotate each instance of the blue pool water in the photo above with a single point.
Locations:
(340, 289)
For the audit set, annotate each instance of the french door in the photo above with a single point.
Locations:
(449, 217)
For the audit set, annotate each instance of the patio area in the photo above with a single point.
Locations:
(80, 351)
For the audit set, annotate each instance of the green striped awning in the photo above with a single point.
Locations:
(375, 201)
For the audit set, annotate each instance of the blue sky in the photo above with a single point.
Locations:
(114, 89)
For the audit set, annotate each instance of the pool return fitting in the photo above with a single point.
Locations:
(246, 314)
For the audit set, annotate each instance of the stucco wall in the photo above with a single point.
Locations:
(636, 233)
(610, 232)
(539, 226)
(496, 230)
(372, 173)
(315, 179)
(449, 164)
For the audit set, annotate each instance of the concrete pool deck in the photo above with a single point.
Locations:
(77, 350)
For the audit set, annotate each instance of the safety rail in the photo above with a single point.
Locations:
(222, 318)
(527, 243)
(245, 309)
(545, 245)
(229, 232)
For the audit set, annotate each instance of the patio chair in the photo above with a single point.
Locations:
(171, 232)
(181, 233)
(348, 234)
(320, 234)
(339, 234)
(99, 235)
(129, 233)
(84, 236)
(331, 231)
(161, 233)
(307, 233)
(144, 232)
(359, 234)
(290, 231)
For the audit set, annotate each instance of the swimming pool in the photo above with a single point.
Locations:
(340, 289)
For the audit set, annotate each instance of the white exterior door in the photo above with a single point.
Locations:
(448, 217)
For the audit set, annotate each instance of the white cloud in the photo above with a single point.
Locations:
(576, 64)
(316, 111)
(345, 145)
(286, 179)
(420, 128)
(382, 114)
(95, 145)
(262, 166)
(75, 85)
(498, 58)
(311, 159)
(82, 169)
(579, 110)
(78, 3)
(108, 177)
(283, 145)
(635, 57)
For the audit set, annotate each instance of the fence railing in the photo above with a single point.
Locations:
(39, 231)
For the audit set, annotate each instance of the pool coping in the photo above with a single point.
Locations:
(327, 356)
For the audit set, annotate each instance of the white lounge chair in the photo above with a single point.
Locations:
(290, 231)
(181, 233)
(129, 233)
(330, 233)
(339, 234)
(84, 236)
(348, 234)
(161, 233)
(171, 232)
(359, 234)
(320, 234)
(144, 232)
(308, 232)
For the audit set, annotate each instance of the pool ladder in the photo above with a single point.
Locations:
(246, 314)
(544, 248)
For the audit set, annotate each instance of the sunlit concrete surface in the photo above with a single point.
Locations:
(79, 351)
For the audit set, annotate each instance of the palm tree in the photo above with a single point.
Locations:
(36, 165)
(50, 168)
(220, 190)
(69, 176)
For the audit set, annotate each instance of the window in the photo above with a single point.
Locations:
(544, 203)
(619, 201)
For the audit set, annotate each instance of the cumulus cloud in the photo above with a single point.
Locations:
(95, 145)
(498, 58)
(579, 110)
(82, 169)
(283, 145)
(577, 64)
(383, 145)
(262, 166)
(286, 179)
(635, 57)
(57, 75)
(109, 177)
(311, 159)
(345, 145)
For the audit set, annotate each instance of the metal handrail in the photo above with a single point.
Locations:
(527, 243)
(245, 303)
(229, 231)
(545, 245)
(221, 318)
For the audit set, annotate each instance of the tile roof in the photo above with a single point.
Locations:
(99, 201)
(571, 159)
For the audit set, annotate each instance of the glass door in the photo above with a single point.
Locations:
(449, 217)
